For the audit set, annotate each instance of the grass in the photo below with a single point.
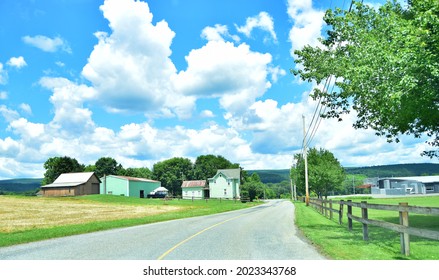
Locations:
(28, 219)
(336, 242)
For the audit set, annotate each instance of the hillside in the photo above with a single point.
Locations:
(394, 170)
(19, 185)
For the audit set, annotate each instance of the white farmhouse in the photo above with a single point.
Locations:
(225, 184)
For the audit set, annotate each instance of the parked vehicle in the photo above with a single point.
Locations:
(157, 194)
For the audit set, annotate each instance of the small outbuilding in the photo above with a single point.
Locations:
(197, 189)
(73, 184)
(128, 186)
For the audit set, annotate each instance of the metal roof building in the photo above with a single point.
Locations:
(128, 186)
(407, 185)
(72, 184)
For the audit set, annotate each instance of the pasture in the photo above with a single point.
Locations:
(27, 219)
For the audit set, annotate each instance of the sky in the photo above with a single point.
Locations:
(145, 81)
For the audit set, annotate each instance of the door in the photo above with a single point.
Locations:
(142, 194)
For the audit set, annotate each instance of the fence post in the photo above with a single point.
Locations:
(364, 215)
(330, 209)
(405, 237)
(340, 212)
(349, 214)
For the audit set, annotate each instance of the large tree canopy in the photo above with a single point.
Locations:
(325, 173)
(107, 166)
(206, 166)
(172, 172)
(55, 166)
(386, 63)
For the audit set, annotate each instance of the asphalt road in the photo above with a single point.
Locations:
(264, 232)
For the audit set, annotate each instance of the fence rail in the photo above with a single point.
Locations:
(325, 207)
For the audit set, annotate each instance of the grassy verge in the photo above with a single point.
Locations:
(337, 242)
(35, 218)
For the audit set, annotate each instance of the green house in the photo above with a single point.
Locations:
(127, 186)
(225, 184)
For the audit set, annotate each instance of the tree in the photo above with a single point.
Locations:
(55, 166)
(172, 172)
(325, 173)
(107, 166)
(206, 166)
(386, 63)
(253, 187)
(141, 172)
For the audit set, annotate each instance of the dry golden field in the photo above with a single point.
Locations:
(25, 213)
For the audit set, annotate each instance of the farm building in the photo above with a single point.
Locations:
(195, 189)
(128, 186)
(407, 185)
(225, 184)
(72, 184)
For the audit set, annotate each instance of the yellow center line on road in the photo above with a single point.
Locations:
(198, 233)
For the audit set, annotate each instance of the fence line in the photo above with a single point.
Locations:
(325, 207)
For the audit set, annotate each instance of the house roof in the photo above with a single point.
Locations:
(422, 179)
(194, 184)
(229, 173)
(133, 178)
(71, 179)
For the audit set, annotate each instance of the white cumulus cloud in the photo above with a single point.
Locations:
(308, 24)
(263, 21)
(17, 62)
(47, 44)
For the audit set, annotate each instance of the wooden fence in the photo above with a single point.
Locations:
(325, 207)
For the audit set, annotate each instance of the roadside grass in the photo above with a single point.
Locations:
(29, 219)
(337, 242)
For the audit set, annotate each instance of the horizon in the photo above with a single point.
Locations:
(372, 166)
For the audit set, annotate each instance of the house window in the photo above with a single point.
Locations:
(225, 191)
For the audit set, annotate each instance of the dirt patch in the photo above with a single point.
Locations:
(17, 214)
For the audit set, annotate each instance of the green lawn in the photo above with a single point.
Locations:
(32, 208)
(337, 242)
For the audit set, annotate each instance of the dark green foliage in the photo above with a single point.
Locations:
(172, 172)
(55, 166)
(396, 170)
(253, 187)
(206, 166)
(20, 186)
(140, 172)
(386, 63)
(325, 174)
(107, 166)
(272, 176)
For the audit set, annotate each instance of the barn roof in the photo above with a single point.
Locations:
(132, 178)
(192, 184)
(71, 179)
(422, 179)
(229, 173)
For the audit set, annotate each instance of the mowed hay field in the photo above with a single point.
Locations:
(25, 213)
(28, 219)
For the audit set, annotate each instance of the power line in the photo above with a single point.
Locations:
(320, 108)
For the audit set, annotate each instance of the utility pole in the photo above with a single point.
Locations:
(306, 163)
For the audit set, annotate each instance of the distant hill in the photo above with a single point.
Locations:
(394, 170)
(19, 185)
(272, 176)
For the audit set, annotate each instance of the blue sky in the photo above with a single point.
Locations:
(149, 80)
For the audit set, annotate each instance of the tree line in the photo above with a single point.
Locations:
(171, 173)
